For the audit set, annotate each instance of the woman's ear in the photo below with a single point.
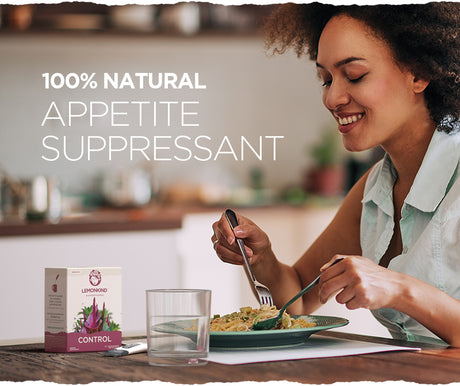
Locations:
(419, 84)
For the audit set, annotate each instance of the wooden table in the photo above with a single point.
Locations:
(431, 365)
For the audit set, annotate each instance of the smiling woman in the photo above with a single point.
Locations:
(391, 77)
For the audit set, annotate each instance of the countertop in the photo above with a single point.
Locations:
(150, 217)
(101, 220)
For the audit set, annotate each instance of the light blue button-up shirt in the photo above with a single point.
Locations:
(430, 227)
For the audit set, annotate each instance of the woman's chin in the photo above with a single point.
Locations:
(355, 146)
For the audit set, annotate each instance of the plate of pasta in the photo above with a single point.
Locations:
(234, 330)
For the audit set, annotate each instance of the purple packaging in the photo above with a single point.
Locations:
(82, 309)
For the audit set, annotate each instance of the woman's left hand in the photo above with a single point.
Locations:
(360, 283)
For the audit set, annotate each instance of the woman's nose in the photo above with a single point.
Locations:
(335, 96)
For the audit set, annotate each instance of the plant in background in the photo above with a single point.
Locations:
(91, 320)
(326, 176)
(327, 151)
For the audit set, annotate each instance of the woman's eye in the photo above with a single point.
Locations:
(356, 79)
(326, 83)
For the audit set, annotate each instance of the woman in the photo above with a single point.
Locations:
(391, 79)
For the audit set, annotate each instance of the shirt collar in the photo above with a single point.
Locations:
(438, 167)
(431, 182)
(381, 192)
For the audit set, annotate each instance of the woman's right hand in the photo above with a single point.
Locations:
(256, 241)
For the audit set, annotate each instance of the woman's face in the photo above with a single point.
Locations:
(370, 97)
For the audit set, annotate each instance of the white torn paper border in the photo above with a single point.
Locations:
(222, 2)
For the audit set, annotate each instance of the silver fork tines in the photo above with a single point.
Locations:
(265, 297)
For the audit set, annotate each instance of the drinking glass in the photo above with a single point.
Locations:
(178, 326)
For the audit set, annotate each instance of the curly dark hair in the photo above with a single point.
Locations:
(424, 38)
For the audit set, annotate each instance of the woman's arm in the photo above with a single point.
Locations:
(284, 281)
(280, 278)
(341, 236)
(431, 307)
(358, 282)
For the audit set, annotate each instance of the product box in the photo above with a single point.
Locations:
(82, 309)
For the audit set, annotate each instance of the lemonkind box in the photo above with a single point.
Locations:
(82, 309)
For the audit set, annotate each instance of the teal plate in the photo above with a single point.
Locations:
(275, 338)
(261, 338)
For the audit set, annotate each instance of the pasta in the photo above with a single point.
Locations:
(247, 316)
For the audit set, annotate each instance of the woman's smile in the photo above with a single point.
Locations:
(347, 121)
(344, 121)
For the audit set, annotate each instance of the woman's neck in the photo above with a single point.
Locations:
(408, 151)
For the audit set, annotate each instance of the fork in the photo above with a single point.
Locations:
(263, 293)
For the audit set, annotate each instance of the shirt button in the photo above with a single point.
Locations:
(405, 249)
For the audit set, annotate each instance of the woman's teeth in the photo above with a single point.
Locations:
(347, 120)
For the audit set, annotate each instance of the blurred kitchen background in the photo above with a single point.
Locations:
(154, 218)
